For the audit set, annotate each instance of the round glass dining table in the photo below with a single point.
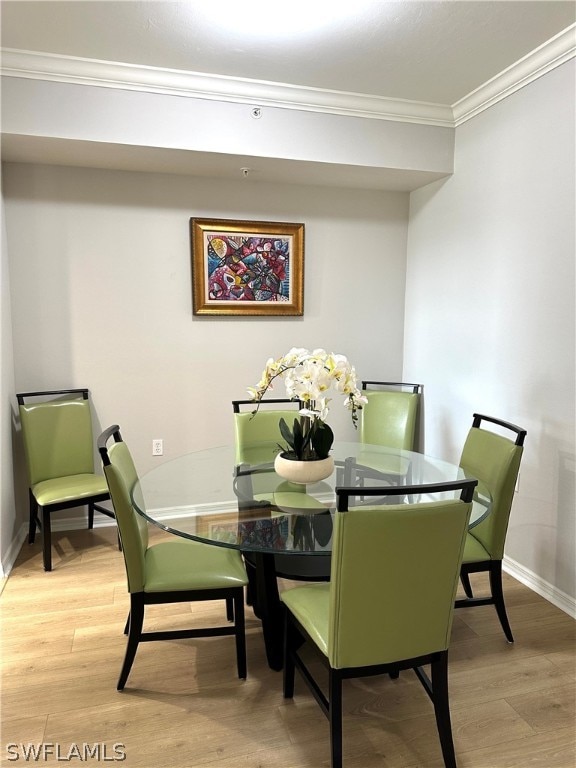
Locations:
(283, 529)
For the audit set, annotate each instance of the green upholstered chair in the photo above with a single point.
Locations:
(59, 449)
(257, 439)
(494, 460)
(257, 435)
(388, 419)
(390, 600)
(171, 571)
(390, 416)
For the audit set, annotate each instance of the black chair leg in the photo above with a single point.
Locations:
(465, 580)
(251, 586)
(498, 596)
(46, 539)
(335, 717)
(289, 668)
(134, 634)
(238, 612)
(229, 609)
(90, 516)
(33, 518)
(439, 670)
(127, 625)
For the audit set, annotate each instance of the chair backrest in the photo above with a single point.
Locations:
(389, 418)
(57, 433)
(257, 436)
(495, 461)
(395, 571)
(121, 477)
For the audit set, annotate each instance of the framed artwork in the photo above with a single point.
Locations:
(247, 267)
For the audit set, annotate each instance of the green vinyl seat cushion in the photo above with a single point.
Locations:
(177, 566)
(68, 488)
(390, 465)
(296, 500)
(310, 605)
(474, 552)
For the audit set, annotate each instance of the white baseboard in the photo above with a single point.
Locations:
(13, 551)
(549, 592)
(79, 522)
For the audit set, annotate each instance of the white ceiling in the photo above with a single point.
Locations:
(433, 52)
(424, 51)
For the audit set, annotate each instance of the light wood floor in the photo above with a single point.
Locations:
(62, 646)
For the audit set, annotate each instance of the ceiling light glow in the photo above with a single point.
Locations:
(280, 20)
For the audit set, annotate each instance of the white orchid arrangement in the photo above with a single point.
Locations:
(308, 376)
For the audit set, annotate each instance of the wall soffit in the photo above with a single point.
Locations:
(105, 74)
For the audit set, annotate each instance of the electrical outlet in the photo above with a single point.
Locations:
(157, 447)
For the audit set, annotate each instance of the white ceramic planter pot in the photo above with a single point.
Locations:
(303, 472)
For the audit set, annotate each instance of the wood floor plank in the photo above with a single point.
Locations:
(565, 660)
(491, 649)
(488, 724)
(23, 730)
(483, 620)
(172, 734)
(536, 673)
(549, 749)
(547, 710)
(183, 707)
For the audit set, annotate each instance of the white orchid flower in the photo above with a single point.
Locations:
(292, 357)
(352, 402)
(318, 409)
(308, 376)
(322, 405)
(309, 412)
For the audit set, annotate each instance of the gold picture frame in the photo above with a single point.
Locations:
(247, 267)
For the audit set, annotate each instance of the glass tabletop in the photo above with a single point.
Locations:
(207, 496)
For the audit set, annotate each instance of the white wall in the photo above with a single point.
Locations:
(490, 306)
(10, 535)
(59, 110)
(101, 294)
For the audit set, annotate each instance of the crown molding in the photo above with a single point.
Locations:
(541, 60)
(173, 82)
(197, 85)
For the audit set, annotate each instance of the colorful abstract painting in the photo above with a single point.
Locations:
(247, 267)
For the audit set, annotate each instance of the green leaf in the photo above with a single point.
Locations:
(313, 441)
(298, 442)
(322, 440)
(286, 433)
